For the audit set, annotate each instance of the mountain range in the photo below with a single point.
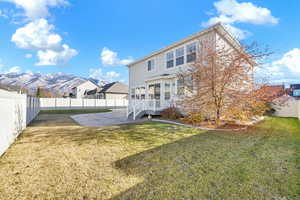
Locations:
(56, 82)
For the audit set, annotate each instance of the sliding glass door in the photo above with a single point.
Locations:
(154, 93)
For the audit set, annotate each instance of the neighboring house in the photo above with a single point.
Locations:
(272, 92)
(80, 90)
(13, 88)
(153, 82)
(294, 90)
(286, 106)
(115, 90)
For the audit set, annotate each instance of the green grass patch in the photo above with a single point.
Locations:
(62, 160)
(74, 111)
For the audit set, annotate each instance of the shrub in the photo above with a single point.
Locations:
(171, 113)
(194, 118)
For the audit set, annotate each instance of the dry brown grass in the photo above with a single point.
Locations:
(57, 159)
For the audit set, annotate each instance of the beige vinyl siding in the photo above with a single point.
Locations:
(138, 73)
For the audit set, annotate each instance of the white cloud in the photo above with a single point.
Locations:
(112, 75)
(291, 60)
(108, 76)
(14, 69)
(285, 69)
(34, 9)
(110, 58)
(55, 57)
(230, 12)
(36, 35)
(29, 72)
(28, 55)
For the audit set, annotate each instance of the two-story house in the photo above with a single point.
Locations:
(294, 90)
(80, 90)
(114, 90)
(153, 79)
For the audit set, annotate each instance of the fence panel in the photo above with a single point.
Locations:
(101, 103)
(89, 102)
(62, 103)
(17, 110)
(67, 103)
(76, 103)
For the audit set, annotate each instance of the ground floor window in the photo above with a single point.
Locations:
(167, 91)
(154, 91)
(133, 93)
(180, 86)
(143, 92)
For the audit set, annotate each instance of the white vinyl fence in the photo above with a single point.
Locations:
(69, 103)
(289, 107)
(16, 111)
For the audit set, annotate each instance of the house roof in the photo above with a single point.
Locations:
(114, 87)
(85, 82)
(91, 92)
(217, 27)
(295, 86)
(273, 91)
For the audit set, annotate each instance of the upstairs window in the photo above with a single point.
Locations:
(179, 56)
(170, 59)
(150, 65)
(191, 52)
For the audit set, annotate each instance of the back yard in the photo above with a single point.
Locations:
(57, 159)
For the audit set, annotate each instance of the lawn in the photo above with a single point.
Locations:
(57, 159)
(75, 111)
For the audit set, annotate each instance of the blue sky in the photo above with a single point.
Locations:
(97, 38)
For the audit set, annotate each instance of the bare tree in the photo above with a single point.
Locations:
(220, 84)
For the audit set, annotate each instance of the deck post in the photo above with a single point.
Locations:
(134, 109)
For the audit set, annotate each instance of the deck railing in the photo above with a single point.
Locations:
(136, 106)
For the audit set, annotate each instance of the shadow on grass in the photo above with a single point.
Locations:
(256, 164)
(177, 163)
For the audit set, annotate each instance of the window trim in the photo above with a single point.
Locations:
(165, 91)
(152, 67)
(187, 53)
(181, 56)
(173, 59)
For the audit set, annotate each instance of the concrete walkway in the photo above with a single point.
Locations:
(116, 117)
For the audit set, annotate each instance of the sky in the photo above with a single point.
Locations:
(95, 38)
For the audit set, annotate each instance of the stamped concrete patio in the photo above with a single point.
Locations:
(116, 117)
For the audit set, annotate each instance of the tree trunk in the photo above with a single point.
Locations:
(218, 117)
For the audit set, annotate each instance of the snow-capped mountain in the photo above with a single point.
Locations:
(57, 82)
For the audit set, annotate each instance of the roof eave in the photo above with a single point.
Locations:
(205, 31)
